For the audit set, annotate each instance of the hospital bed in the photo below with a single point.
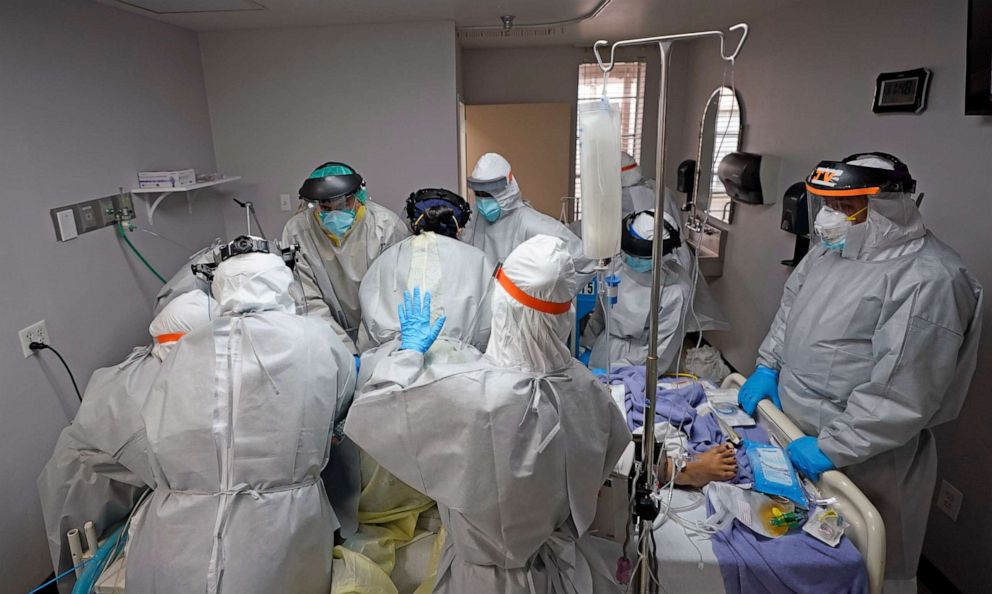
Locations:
(686, 562)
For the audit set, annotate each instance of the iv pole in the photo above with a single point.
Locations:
(651, 376)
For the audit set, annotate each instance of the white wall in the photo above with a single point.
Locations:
(90, 96)
(381, 98)
(806, 78)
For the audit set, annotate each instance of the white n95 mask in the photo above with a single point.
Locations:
(832, 227)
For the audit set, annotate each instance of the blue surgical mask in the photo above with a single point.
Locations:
(489, 208)
(337, 222)
(834, 245)
(637, 264)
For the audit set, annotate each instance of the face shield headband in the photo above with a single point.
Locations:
(422, 200)
(633, 244)
(339, 183)
(841, 179)
(245, 244)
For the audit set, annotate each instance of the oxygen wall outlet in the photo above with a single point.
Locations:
(36, 332)
(949, 500)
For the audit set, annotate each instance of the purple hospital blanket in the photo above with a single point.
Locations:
(796, 562)
(678, 407)
(749, 562)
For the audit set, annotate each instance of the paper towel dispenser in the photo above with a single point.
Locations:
(795, 220)
(795, 212)
(684, 179)
(749, 178)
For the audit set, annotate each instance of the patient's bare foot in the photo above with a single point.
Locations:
(718, 463)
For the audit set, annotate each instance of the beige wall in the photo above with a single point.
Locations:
(544, 74)
(535, 138)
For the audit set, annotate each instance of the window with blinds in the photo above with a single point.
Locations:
(726, 140)
(625, 88)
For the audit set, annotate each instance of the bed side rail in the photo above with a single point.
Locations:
(867, 532)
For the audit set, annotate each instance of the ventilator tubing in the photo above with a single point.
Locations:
(95, 566)
(599, 151)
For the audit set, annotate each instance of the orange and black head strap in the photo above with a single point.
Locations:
(842, 179)
(548, 307)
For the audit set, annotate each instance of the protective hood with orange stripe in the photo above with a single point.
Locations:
(630, 171)
(182, 315)
(874, 188)
(532, 307)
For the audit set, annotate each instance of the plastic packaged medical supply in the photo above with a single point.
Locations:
(773, 472)
(732, 414)
(599, 154)
(748, 507)
(826, 525)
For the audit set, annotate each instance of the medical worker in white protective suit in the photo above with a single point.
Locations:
(100, 464)
(238, 424)
(184, 281)
(339, 236)
(513, 447)
(874, 343)
(506, 220)
(627, 342)
(637, 196)
(459, 277)
(456, 274)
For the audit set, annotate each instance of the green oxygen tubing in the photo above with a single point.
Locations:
(120, 230)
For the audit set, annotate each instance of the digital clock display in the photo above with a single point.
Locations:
(898, 92)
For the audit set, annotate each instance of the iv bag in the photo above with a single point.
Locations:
(599, 151)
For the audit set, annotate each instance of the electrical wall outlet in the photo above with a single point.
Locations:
(949, 500)
(36, 332)
(285, 201)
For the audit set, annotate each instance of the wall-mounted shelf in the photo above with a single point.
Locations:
(164, 193)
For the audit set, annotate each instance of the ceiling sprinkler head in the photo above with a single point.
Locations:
(507, 21)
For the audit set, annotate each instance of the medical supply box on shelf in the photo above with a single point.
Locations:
(166, 179)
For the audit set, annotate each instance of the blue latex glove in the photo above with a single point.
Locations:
(762, 384)
(416, 331)
(358, 364)
(807, 457)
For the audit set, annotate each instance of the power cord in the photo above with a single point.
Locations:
(38, 346)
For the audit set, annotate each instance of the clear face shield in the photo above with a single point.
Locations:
(831, 217)
(874, 188)
(490, 188)
(890, 215)
(342, 203)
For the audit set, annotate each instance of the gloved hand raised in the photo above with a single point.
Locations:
(416, 331)
(762, 384)
(808, 458)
